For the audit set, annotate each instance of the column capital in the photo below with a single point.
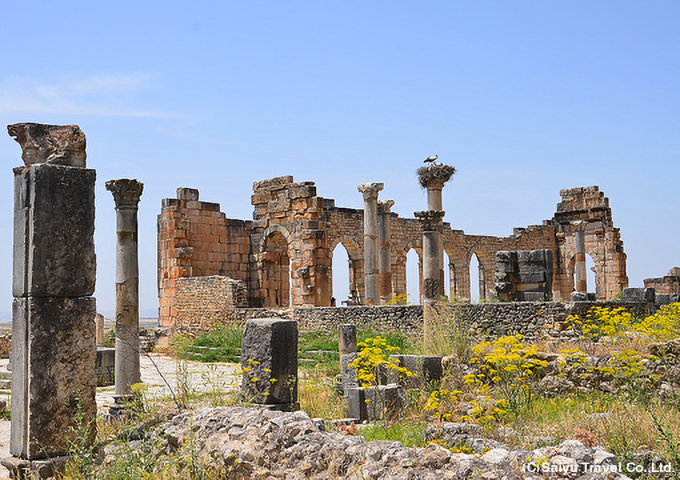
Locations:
(54, 144)
(435, 175)
(370, 190)
(430, 219)
(384, 206)
(126, 192)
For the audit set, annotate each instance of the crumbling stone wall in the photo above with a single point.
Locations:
(283, 256)
(195, 239)
(666, 285)
(524, 276)
(200, 301)
(587, 210)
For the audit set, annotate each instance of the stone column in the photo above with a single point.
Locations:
(433, 177)
(580, 276)
(385, 263)
(126, 195)
(371, 253)
(431, 269)
(99, 329)
(53, 313)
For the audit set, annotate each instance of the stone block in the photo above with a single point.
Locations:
(533, 277)
(105, 366)
(426, 368)
(347, 338)
(52, 373)
(269, 361)
(356, 404)
(533, 296)
(384, 401)
(187, 194)
(643, 295)
(54, 231)
(579, 297)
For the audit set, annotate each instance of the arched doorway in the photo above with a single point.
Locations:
(340, 275)
(476, 279)
(276, 271)
(413, 277)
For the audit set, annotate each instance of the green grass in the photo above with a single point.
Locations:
(407, 431)
(221, 344)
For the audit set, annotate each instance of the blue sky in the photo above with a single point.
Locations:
(524, 98)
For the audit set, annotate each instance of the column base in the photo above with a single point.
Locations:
(122, 405)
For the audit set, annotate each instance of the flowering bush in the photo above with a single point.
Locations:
(507, 365)
(663, 325)
(603, 322)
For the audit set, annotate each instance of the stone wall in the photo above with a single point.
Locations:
(531, 319)
(201, 300)
(668, 284)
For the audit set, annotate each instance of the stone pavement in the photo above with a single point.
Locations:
(200, 377)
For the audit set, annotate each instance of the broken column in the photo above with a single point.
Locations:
(53, 313)
(269, 363)
(371, 252)
(433, 177)
(126, 194)
(385, 263)
(431, 249)
(347, 343)
(580, 277)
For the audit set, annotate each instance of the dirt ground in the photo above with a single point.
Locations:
(156, 370)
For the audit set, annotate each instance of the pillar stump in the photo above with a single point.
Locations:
(53, 313)
(126, 194)
(269, 362)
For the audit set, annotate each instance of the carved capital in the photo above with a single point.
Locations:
(435, 175)
(126, 192)
(384, 206)
(55, 144)
(430, 218)
(370, 190)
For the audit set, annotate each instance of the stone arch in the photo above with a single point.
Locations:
(356, 263)
(399, 269)
(276, 228)
(600, 287)
(486, 262)
(455, 258)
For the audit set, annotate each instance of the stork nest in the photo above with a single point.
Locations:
(435, 173)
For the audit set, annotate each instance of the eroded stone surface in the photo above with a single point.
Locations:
(55, 144)
(269, 361)
(54, 251)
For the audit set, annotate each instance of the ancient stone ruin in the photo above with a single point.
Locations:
(283, 257)
(53, 313)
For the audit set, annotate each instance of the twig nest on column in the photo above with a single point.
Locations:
(435, 175)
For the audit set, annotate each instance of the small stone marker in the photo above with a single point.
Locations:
(269, 361)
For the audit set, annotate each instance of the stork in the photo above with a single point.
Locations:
(431, 158)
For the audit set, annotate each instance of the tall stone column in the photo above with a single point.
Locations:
(53, 312)
(580, 276)
(371, 253)
(385, 262)
(126, 195)
(433, 177)
(431, 268)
